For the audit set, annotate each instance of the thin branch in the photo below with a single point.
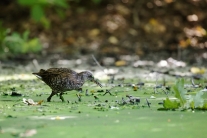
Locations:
(97, 63)
(36, 64)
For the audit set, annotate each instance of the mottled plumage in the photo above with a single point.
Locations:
(63, 79)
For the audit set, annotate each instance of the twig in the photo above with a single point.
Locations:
(97, 63)
(194, 85)
(87, 92)
(36, 64)
(79, 97)
(107, 91)
(123, 101)
(148, 103)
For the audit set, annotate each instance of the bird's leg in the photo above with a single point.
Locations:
(61, 97)
(51, 95)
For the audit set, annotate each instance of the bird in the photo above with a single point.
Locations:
(61, 80)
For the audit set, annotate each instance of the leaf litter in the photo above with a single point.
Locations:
(31, 102)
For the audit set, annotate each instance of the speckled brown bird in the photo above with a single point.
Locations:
(64, 79)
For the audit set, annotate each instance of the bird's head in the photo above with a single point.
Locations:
(88, 76)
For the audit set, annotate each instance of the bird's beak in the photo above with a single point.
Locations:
(98, 83)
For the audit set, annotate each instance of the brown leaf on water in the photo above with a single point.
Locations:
(135, 88)
(40, 102)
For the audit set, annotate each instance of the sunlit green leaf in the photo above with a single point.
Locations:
(34, 45)
(37, 12)
(25, 35)
(180, 91)
(19, 44)
(204, 106)
(168, 104)
(45, 22)
(192, 105)
(188, 101)
(198, 100)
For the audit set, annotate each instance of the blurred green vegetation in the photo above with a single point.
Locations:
(37, 9)
(17, 43)
(108, 27)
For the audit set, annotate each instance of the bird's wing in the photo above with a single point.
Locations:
(71, 79)
(59, 71)
(63, 74)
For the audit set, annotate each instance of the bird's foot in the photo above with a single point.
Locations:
(48, 99)
(61, 97)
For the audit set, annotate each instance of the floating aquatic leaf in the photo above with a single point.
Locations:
(189, 102)
(180, 91)
(204, 106)
(198, 100)
(168, 104)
